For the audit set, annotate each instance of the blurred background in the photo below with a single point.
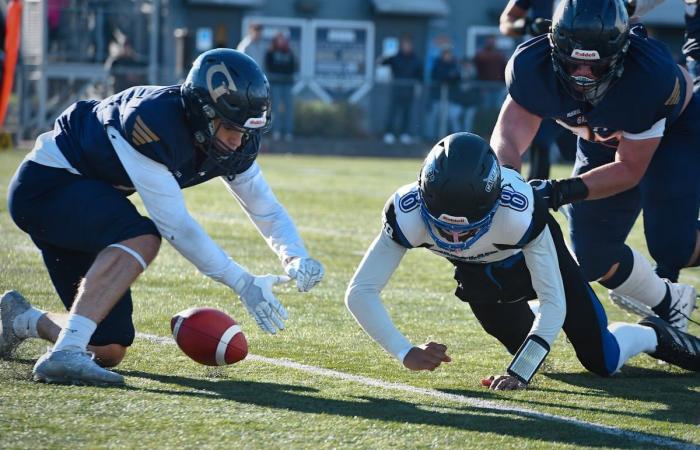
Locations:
(365, 77)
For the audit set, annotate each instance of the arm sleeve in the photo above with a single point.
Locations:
(541, 259)
(362, 296)
(267, 214)
(165, 204)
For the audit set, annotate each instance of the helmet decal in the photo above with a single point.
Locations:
(587, 55)
(223, 88)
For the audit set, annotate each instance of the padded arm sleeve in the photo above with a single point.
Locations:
(165, 204)
(269, 216)
(362, 296)
(541, 259)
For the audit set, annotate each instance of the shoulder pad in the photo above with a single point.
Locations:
(401, 216)
(155, 126)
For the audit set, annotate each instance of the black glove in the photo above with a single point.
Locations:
(539, 26)
(560, 192)
(630, 6)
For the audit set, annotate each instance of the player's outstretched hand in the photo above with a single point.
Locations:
(426, 357)
(503, 383)
(307, 272)
(261, 303)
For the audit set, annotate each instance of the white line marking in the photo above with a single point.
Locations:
(455, 398)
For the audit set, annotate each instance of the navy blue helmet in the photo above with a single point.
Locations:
(227, 85)
(459, 187)
(594, 33)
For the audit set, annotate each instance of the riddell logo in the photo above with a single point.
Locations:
(255, 122)
(588, 55)
(452, 219)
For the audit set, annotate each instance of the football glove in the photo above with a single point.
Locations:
(560, 192)
(256, 294)
(307, 272)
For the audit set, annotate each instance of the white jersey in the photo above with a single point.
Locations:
(519, 225)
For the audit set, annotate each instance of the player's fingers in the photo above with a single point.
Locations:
(436, 346)
(279, 309)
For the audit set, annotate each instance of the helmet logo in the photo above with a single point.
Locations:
(453, 219)
(588, 55)
(223, 88)
(490, 179)
(256, 122)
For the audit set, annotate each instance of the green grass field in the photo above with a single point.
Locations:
(172, 402)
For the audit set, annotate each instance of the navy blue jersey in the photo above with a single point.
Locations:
(537, 8)
(652, 87)
(691, 47)
(152, 119)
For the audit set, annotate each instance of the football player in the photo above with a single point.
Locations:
(506, 249)
(70, 196)
(636, 117)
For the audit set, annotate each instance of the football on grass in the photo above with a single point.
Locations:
(209, 336)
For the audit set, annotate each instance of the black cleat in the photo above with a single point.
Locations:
(674, 346)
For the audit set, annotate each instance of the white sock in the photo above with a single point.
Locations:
(633, 339)
(24, 324)
(76, 334)
(643, 284)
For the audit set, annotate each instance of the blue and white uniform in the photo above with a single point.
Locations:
(521, 257)
(70, 193)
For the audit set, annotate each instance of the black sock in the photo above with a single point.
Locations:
(664, 308)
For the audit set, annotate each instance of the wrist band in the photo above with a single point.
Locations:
(529, 358)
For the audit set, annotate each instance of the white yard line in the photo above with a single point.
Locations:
(454, 398)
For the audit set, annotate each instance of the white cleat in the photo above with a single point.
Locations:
(12, 304)
(683, 299)
(73, 367)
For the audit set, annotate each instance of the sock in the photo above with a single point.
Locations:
(633, 339)
(76, 334)
(24, 324)
(663, 309)
(643, 284)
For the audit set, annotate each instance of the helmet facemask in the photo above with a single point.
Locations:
(592, 90)
(456, 233)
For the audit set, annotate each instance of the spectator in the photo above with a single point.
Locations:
(125, 69)
(252, 44)
(281, 65)
(490, 66)
(407, 72)
(445, 111)
(469, 96)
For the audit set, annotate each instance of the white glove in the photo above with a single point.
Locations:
(256, 294)
(306, 271)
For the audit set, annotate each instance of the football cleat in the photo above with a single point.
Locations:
(674, 346)
(12, 304)
(683, 299)
(73, 367)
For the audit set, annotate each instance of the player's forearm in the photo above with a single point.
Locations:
(610, 179)
(362, 295)
(543, 263)
(267, 214)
